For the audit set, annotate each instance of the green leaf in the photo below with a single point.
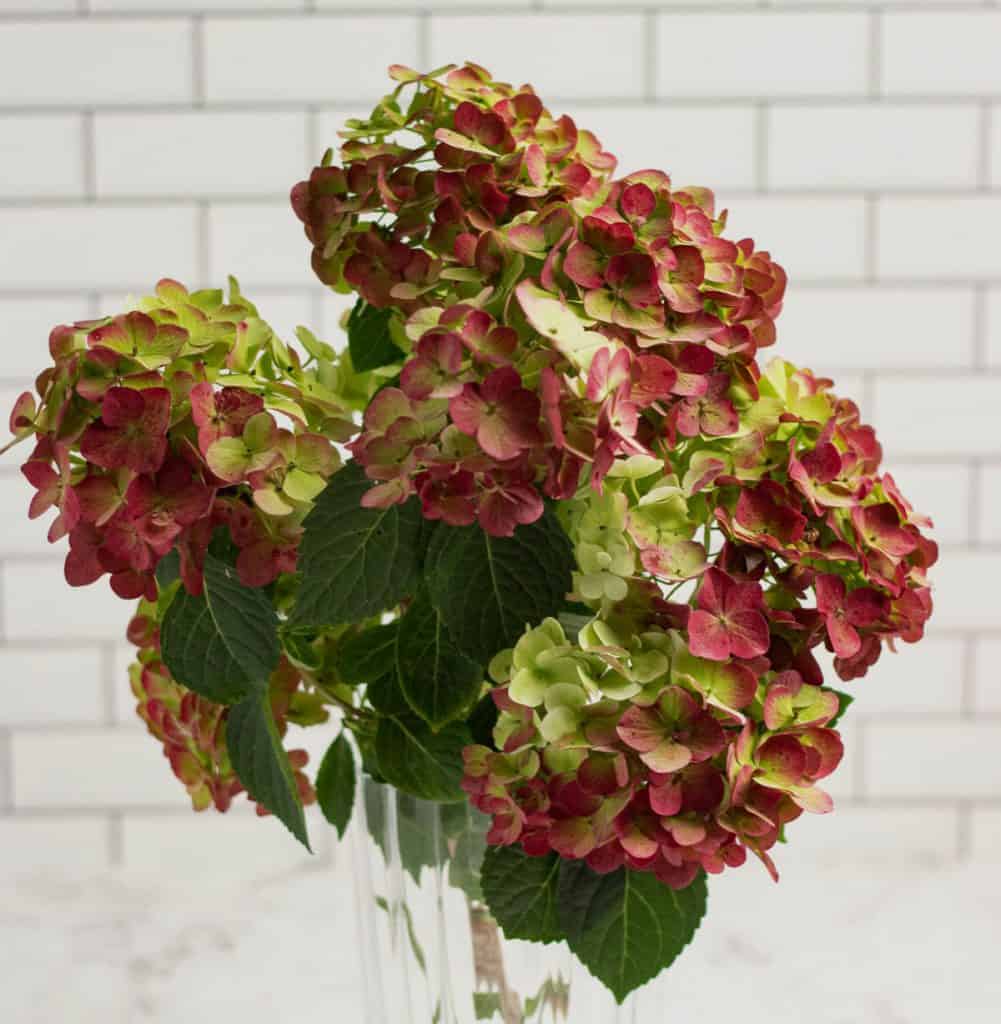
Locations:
(223, 644)
(423, 763)
(627, 926)
(438, 681)
(489, 588)
(261, 763)
(369, 341)
(366, 656)
(355, 562)
(521, 892)
(168, 569)
(336, 782)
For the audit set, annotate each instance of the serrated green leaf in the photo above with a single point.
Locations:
(336, 782)
(355, 562)
(223, 644)
(261, 763)
(369, 340)
(521, 892)
(488, 589)
(366, 656)
(627, 926)
(423, 763)
(438, 681)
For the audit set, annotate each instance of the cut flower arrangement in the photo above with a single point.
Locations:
(544, 536)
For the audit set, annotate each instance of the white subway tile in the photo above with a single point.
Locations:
(26, 324)
(96, 247)
(41, 155)
(39, 686)
(992, 327)
(92, 768)
(941, 53)
(877, 836)
(761, 54)
(929, 415)
(563, 56)
(985, 834)
(941, 760)
(965, 593)
(77, 62)
(877, 327)
(884, 146)
(262, 244)
(699, 145)
(923, 677)
(66, 846)
(199, 153)
(241, 63)
(39, 605)
(944, 239)
(987, 683)
(811, 238)
(231, 846)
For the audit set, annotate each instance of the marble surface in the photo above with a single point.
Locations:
(832, 944)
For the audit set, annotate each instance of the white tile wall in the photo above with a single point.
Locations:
(967, 44)
(863, 149)
(549, 50)
(762, 54)
(40, 155)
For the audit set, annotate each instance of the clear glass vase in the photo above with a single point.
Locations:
(432, 953)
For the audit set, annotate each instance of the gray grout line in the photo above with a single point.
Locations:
(198, 60)
(88, 154)
(985, 161)
(650, 56)
(874, 57)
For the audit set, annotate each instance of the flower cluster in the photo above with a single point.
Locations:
(552, 317)
(157, 426)
(193, 729)
(629, 749)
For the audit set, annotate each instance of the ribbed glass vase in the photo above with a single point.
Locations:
(432, 953)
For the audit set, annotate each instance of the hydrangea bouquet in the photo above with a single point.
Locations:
(543, 536)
